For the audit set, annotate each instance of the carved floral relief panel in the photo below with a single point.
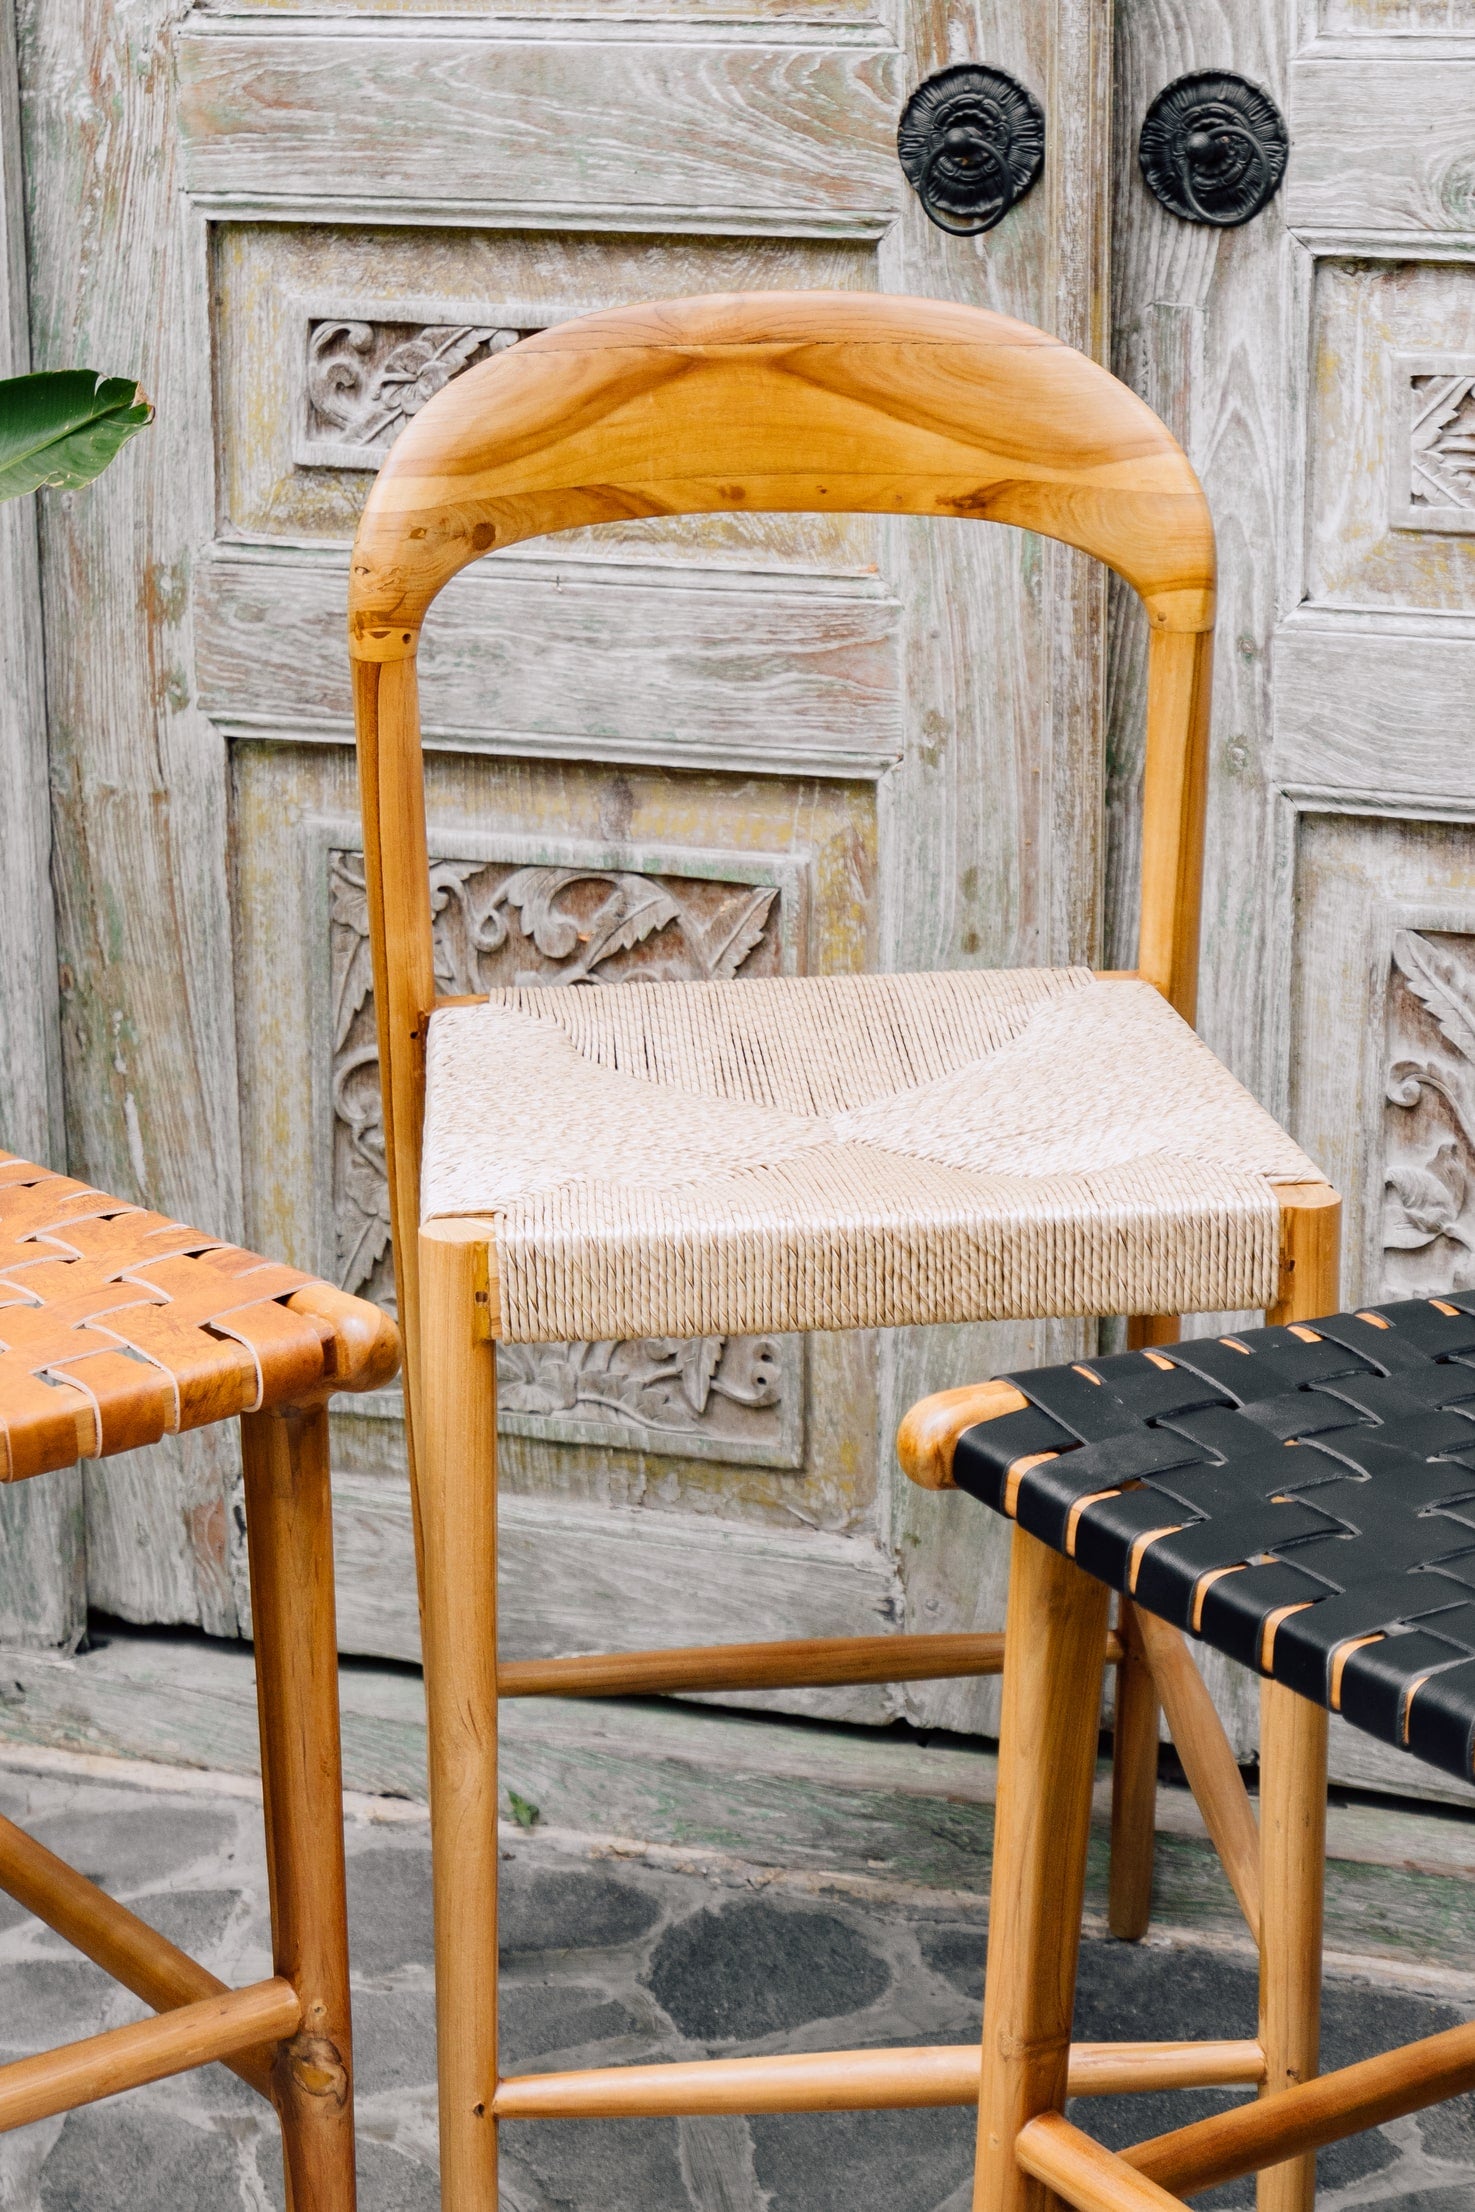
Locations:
(499, 923)
(1429, 1115)
(363, 381)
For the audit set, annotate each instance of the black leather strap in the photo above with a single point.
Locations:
(1328, 1467)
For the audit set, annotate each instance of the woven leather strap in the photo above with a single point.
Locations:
(1302, 1498)
(117, 1325)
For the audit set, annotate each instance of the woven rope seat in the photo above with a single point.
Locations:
(849, 1152)
(1301, 1498)
(118, 1325)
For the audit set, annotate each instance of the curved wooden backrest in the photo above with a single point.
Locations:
(773, 401)
(785, 401)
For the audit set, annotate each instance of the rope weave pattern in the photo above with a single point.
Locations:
(693, 1159)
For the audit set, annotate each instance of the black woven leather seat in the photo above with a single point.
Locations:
(1301, 1498)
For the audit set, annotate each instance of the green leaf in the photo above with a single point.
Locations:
(526, 1814)
(63, 426)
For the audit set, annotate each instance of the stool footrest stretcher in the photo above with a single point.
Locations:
(1246, 2139)
(796, 1663)
(146, 2050)
(855, 2081)
(114, 1938)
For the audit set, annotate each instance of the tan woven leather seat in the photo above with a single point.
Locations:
(118, 1325)
(850, 1152)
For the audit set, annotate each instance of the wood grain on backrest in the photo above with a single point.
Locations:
(788, 402)
(780, 402)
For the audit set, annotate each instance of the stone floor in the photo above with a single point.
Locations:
(608, 1957)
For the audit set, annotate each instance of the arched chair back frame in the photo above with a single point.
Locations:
(765, 402)
(777, 402)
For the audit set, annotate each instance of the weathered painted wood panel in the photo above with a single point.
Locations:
(1204, 324)
(962, 662)
(1382, 148)
(1380, 1080)
(41, 1561)
(310, 321)
(1361, 706)
(803, 676)
(1000, 774)
(1390, 497)
(1313, 363)
(712, 133)
(990, 824)
(30, 1048)
(140, 840)
(776, 16)
(1434, 21)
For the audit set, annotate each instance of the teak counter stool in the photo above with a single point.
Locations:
(1303, 1499)
(117, 1325)
(805, 1153)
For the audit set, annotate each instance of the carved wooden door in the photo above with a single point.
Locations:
(731, 747)
(1319, 363)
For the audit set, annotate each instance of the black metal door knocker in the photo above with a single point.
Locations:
(1213, 148)
(971, 141)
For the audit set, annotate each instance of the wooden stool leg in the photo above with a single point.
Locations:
(289, 1533)
(1133, 1785)
(1293, 1739)
(1293, 1736)
(1053, 1662)
(456, 1471)
(1135, 1740)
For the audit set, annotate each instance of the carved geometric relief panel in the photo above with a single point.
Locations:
(1429, 1114)
(498, 923)
(1434, 487)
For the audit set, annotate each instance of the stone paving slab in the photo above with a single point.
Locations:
(610, 1956)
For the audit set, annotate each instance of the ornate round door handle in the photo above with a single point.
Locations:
(1213, 148)
(971, 141)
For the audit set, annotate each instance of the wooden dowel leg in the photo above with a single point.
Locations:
(1208, 1761)
(1054, 1657)
(1135, 1740)
(1310, 1253)
(1133, 1786)
(1293, 1739)
(290, 1539)
(456, 1470)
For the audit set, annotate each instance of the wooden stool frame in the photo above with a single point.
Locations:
(1274, 1865)
(868, 404)
(1029, 2156)
(288, 2037)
